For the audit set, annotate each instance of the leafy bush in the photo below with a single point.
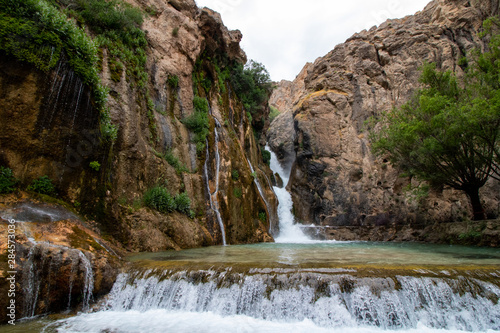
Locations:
(108, 130)
(252, 85)
(42, 185)
(235, 174)
(160, 199)
(198, 122)
(7, 180)
(266, 156)
(183, 203)
(95, 165)
(237, 192)
(262, 216)
(200, 104)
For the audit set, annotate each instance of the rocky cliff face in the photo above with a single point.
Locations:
(50, 126)
(336, 180)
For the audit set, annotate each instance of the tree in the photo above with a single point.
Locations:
(447, 133)
(252, 85)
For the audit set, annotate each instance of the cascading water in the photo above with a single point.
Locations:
(214, 203)
(279, 301)
(261, 192)
(290, 232)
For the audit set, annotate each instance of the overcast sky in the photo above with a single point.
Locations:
(285, 34)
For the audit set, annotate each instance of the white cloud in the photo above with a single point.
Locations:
(285, 34)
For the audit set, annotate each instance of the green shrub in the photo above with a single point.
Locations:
(235, 175)
(175, 32)
(95, 165)
(173, 81)
(42, 185)
(252, 85)
(273, 113)
(200, 104)
(7, 180)
(262, 216)
(198, 123)
(183, 203)
(160, 199)
(266, 156)
(108, 130)
(237, 192)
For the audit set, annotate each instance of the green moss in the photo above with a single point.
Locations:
(273, 113)
(174, 161)
(79, 239)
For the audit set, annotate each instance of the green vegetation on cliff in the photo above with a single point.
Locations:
(160, 199)
(198, 122)
(37, 32)
(252, 85)
(7, 180)
(449, 132)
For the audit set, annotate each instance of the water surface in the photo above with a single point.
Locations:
(328, 254)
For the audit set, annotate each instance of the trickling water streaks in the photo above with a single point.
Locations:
(213, 196)
(261, 192)
(88, 280)
(39, 266)
(214, 201)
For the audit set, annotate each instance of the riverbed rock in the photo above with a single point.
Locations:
(61, 263)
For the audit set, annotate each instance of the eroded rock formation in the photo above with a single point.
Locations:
(49, 127)
(336, 180)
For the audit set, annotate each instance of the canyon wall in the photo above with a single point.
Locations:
(51, 126)
(336, 180)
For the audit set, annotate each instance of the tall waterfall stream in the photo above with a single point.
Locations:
(300, 285)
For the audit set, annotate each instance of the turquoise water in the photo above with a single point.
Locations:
(329, 254)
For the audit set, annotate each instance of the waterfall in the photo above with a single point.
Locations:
(88, 286)
(290, 232)
(279, 302)
(214, 203)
